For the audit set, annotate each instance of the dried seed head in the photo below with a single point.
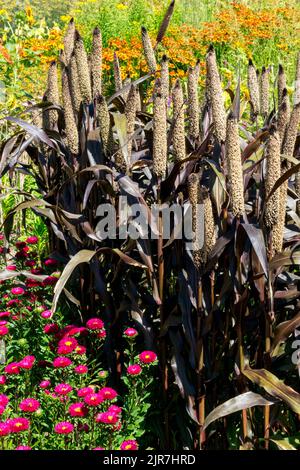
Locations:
(82, 69)
(70, 123)
(130, 113)
(297, 84)
(178, 124)
(126, 82)
(74, 84)
(103, 119)
(193, 104)
(281, 84)
(234, 165)
(69, 41)
(117, 73)
(209, 224)
(297, 189)
(216, 96)
(283, 114)
(273, 171)
(120, 162)
(96, 62)
(164, 76)
(264, 92)
(50, 116)
(197, 227)
(278, 228)
(290, 136)
(159, 132)
(148, 51)
(253, 89)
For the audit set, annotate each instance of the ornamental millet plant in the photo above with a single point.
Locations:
(215, 321)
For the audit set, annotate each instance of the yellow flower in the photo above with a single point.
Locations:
(65, 18)
(121, 6)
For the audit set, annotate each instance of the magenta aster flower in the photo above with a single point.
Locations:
(146, 357)
(4, 314)
(107, 417)
(94, 324)
(46, 314)
(49, 281)
(129, 445)
(134, 369)
(83, 392)
(64, 427)
(81, 369)
(17, 291)
(2, 379)
(29, 405)
(32, 240)
(23, 448)
(76, 330)
(101, 333)
(108, 393)
(115, 409)
(67, 345)
(93, 399)
(20, 245)
(18, 424)
(61, 362)
(51, 328)
(11, 267)
(2, 409)
(50, 262)
(80, 350)
(63, 389)
(130, 332)
(12, 368)
(4, 400)
(3, 330)
(45, 384)
(78, 409)
(27, 362)
(4, 429)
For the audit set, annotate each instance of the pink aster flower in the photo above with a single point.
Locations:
(103, 374)
(4, 314)
(78, 409)
(2, 379)
(146, 357)
(107, 417)
(12, 368)
(134, 369)
(83, 392)
(64, 427)
(51, 328)
(108, 393)
(27, 362)
(17, 291)
(130, 332)
(115, 409)
(101, 333)
(23, 448)
(81, 369)
(4, 429)
(45, 384)
(29, 405)
(3, 330)
(61, 361)
(129, 445)
(94, 324)
(67, 345)
(63, 389)
(93, 399)
(2, 409)
(18, 424)
(4, 400)
(46, 314)
(50, 262)
(30, 263)
(32, 240)
(11, 267)
(80, 350)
